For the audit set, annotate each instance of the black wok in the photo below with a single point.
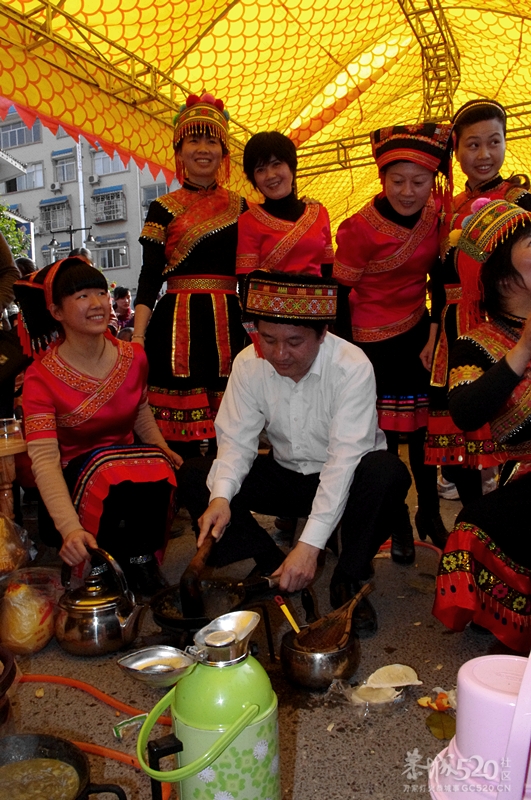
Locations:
(217, 596)
(24, 746)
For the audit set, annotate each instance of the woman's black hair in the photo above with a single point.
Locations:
(121, 291)
(76, 274)
(264, 146)
(499, 276)
(477, 111)
(25, 265)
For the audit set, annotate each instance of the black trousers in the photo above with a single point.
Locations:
(375, 508)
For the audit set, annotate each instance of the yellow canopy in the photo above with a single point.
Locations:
(325, 72)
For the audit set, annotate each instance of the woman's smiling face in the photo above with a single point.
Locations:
(408, 186)
(481, 150)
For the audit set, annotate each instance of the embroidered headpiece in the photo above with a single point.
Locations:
(281, 296)
(425, 143)
(201, 115)
(34, 295)
(490, 224)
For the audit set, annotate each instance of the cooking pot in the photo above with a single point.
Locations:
(99, 617)
(6, 679)
(318, 670)
(25, 746)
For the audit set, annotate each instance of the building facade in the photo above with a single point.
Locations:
(77, 196)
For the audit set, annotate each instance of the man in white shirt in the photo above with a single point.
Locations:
(315, 396)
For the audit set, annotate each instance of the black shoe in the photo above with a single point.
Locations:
(343, 589)
(403, 545)
(431, 525)
(143, 576)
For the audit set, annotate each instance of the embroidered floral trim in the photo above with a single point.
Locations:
(387, 331)
(246, 262)
(411, 238)
(465, 374)
(269, 220)
(345, 274)
(205, 213)
(37, 423)
(154, 232)
(99, 392)
(486, 580)
(292, 236)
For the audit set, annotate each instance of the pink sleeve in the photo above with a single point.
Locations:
(38, 406)
(248, 250)
(350, 260)
(328, 257)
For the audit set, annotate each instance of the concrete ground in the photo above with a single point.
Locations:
(328, 749)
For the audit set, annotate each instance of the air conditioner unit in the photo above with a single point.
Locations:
(93, 179)
(36, 228)
(55, 187)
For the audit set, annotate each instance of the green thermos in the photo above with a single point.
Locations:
(224, 713)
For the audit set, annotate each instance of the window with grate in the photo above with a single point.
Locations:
(104, 165)
(112, 257)
(54, 254)
(33, 179)
(65, 168)
(150, 193)
(108, 207)
(16, 134)
(55, 215)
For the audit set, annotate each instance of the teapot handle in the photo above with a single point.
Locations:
(113, 564)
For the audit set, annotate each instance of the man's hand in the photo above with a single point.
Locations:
(73, 551)
(215, 518)
(298, 568)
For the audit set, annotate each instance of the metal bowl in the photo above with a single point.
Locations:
(157, 666)
(318, 670)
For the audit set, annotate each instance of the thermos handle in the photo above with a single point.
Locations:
(517, 752)
(181, 774)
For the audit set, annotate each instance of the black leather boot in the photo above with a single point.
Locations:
(403, 545)
(430, 524)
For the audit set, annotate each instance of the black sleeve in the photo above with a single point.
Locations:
(153, 258)
(474, 404)
(437, 291)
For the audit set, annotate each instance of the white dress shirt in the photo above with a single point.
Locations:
(324, 423)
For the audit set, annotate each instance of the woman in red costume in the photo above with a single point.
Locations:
(479, 145)
(385, 252)
(189, 240)
(485, 571)
(283, 234)
(84, 402)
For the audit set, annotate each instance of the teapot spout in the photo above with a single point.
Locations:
(130, 623)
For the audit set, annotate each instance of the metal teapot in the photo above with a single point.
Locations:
(97, 618)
